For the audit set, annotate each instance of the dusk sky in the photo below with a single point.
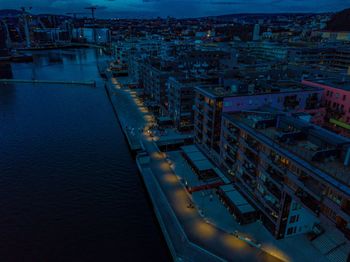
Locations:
(177, 8)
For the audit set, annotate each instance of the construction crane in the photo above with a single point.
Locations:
(26, 26)
(93, 9)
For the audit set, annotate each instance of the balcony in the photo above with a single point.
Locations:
(232, 129)
(230, 141)
(309, 185)
(256, 199)
(249, 146)
(231, 134)
(273, 189)
(250, 164)
(248, 182)
(249, 169)
(308, 201)
(346, 209)
(199, 100)
(267, 206)
(275, 163)
(272, 204)
(275, 175)
(231, 154)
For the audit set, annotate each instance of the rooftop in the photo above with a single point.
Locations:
(259, 88)
(191, 80)
(343, 84)
(314, 147)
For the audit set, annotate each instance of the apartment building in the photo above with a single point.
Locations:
(297, 174)
(337, 102)
(154, 73)
(234, 96)
(301, 53)
(181, 98)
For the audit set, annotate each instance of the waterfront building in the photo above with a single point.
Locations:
(297, 174)
(337, 102)
(154, 73)
(237, 95)
(181, 98)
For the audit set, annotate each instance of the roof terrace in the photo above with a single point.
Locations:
(318, 147)
(260, 87)
(343, 84)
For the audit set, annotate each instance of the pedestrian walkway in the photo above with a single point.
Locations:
(174, 206)
(296, 248)
(197, 229)
(179, 245)
(132, 115)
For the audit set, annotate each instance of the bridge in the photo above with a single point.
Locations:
(22, 81)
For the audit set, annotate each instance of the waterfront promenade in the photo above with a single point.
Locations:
(189, 235)
(197, 229)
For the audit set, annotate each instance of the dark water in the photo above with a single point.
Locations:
(69, 188)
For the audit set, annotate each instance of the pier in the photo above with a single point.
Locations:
(23, 81)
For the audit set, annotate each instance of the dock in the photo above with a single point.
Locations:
(33, 81)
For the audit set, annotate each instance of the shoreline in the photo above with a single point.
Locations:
(183, 241)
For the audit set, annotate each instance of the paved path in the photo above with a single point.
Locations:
(177, 240)
(173, 198)
(132, 115)
(197, 229)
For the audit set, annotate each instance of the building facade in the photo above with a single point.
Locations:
(154, 74)
(337, 101)
(295, 173)
(211, 102)
(181, 96)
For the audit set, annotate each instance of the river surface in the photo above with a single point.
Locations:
(69, 188)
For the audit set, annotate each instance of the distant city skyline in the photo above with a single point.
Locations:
(176, 8)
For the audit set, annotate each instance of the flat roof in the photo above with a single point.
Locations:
(237, 199)
(203, 165)
(190, 148)
(164, 118)
(332, 83)
(218, 91)
(302, 150)
(197, 158)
